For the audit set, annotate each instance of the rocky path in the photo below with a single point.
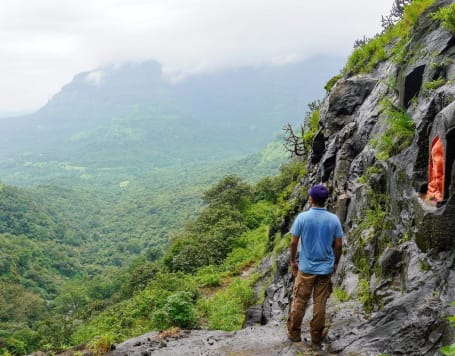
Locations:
(270, 339)
(257, 340)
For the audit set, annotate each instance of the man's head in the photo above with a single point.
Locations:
(319, 194)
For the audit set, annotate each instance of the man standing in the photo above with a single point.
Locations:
(319, 233)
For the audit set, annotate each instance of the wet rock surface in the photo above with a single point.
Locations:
(258, 340)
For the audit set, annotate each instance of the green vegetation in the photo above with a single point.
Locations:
(226, 309)
(398, 135)
(340, 295)
(372, 170)
(446, 15)
(328, 87)
(101, 344)
(371, 229)
(434, 84)
(450, 349)
(424, 265)
(103, 297)
(312, 124)
(299, 145)
(389, 44)
(364, 294)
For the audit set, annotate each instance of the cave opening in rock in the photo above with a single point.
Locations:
(412, 84)
(450, 160)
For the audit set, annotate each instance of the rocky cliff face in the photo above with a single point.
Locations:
(399, 262)
(399, 258)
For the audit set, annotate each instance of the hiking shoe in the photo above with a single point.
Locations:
(294, 338)
(316, 347)
(324, 333)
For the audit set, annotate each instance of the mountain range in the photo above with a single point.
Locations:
(132, 116)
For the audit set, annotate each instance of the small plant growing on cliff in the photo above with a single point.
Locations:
(399, 133)
(434, 84)
(450, 349)
(340, 295)
(391, 42)
(364, 294)
(446, 15)
(328, 87)
(370, 230)
(424, 265)
(311, 124)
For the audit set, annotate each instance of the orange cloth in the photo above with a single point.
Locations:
(436, 180)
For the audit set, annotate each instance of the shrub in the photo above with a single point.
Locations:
(312, 122)
(222, 312)
(160, 319)
(249, 248)
(450, 349)
(230, 190)
(179, 309)
(208, 277)
(340, 295)
(328, 87)
(15, 346)
(364, 294)
(102, 344)
(365, 58)
(398, 135)
(226, 309)
(434, 84)
(391, 43)
(446, 15)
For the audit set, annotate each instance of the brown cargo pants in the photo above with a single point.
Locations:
(306, 284)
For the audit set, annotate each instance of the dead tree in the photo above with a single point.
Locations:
(294, 143)
(396, 13)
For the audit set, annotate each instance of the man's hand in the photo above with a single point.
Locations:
(335, 267)
(337, 250)
(294, 268)
(293, 251)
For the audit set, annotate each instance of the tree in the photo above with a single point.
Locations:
(230, 190)
(294, 143)
(396, 13)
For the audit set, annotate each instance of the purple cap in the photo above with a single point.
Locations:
(319, 193)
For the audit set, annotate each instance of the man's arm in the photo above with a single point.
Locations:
(337, 249)
(294, 265)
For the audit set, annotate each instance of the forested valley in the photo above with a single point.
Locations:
(73, 260)
(135, 205)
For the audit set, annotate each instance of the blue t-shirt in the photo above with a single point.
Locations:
(317, 229)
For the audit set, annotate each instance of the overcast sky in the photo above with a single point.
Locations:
(44, 43)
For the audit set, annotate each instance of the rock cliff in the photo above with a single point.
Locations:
(399, 262)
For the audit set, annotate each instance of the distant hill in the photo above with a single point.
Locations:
(131, 117)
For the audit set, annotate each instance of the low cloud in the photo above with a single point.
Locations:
(95, 78)
(51, 41)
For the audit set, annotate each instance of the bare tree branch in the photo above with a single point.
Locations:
(292, 142)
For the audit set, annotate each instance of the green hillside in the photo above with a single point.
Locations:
(95, 300)
(77, 242)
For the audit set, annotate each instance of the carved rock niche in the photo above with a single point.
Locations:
(435, 214)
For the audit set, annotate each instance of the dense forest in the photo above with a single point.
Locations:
(58, 290)
(72, 255)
